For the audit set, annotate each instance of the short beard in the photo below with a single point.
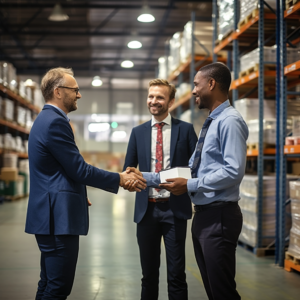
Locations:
(203, 103)
(70, 106)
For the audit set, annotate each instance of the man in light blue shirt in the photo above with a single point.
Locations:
(218, 165)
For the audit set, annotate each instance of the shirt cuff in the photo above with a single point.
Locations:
(153, 179)
(192, 185)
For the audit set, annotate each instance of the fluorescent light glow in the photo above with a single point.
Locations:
(119, 134)
(146, 18)
(97, 81)
(98, 127)
(127, 64)
(134, 45)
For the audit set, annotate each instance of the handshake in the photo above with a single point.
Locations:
(132, 180)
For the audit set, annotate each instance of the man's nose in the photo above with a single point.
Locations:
(78, 95)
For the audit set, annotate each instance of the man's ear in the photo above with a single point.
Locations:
(212, 84)
(57, 93)
(171, 102)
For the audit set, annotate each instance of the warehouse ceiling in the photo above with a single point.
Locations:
(93, 41)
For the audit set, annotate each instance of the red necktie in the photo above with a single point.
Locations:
(159, 148)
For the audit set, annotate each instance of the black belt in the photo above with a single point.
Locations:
(213, 204)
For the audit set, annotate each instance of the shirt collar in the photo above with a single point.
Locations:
(60, 110)
(217, 111)
(167, 120)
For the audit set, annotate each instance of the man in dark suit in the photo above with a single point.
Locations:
(58, 205)
(162, 142)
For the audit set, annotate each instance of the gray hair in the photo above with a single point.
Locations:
(52, 79)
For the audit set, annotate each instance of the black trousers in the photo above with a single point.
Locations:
(215, 233)
(159, 222)
(59, 255)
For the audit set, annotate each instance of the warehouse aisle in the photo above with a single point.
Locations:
(108, 266)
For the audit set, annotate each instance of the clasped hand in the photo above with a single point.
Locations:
(132, 180)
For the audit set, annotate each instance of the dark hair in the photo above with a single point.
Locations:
(220, 73)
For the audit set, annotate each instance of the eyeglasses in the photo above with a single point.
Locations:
(76, 90)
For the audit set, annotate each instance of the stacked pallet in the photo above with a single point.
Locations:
(293, 253)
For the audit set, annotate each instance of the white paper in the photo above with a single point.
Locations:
(175, 173)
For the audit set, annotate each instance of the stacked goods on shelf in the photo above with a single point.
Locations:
(250, 60)
(226, 17)
(249, 206)
(202, 33)
(7, 110)
(8, 142)
(295, 138)
(249, 9)
(24, 171)
(8, 75)
(174, 58)
(249, 108)
(181, 47)
(12, 183)
(294, 245)
(182, 90)
(162, 68)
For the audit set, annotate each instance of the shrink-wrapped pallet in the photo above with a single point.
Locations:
(249, 206)
(294, 245)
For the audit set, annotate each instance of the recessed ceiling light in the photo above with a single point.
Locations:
(146, 18)
(127, 64)
(134, 45)
(97, 81)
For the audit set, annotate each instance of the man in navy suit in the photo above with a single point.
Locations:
(162, 142)
(58, 205)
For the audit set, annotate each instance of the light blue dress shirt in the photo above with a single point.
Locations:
(223, 159)
(59, 109)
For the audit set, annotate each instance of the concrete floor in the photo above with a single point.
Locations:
(108, 266)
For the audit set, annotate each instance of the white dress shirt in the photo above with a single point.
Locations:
(166, 135)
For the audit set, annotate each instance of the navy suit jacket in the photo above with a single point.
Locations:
(58, 178)
(183, 143)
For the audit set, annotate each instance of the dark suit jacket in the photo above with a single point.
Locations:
(183, 143)
(58, 178)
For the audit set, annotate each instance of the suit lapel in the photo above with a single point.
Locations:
(174, 138)
(147, 144)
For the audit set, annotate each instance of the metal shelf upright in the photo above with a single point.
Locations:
(284, 74)
(256, 79)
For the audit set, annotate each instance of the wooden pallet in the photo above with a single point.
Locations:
(259, 252)
(247, 19)
(291, 262)
(256, 68)
(255, 146)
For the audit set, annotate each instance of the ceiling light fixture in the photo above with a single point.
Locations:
(146, 17)
(97, 81)
(127, 64)
(58, 14)
(134, 45)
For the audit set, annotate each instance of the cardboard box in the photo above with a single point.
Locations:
(296, 168)
(184, 172)
(9, 174)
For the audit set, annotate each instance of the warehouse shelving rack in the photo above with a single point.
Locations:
(12, 126)
(193, 62)
(284, 82)
(249, 84)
